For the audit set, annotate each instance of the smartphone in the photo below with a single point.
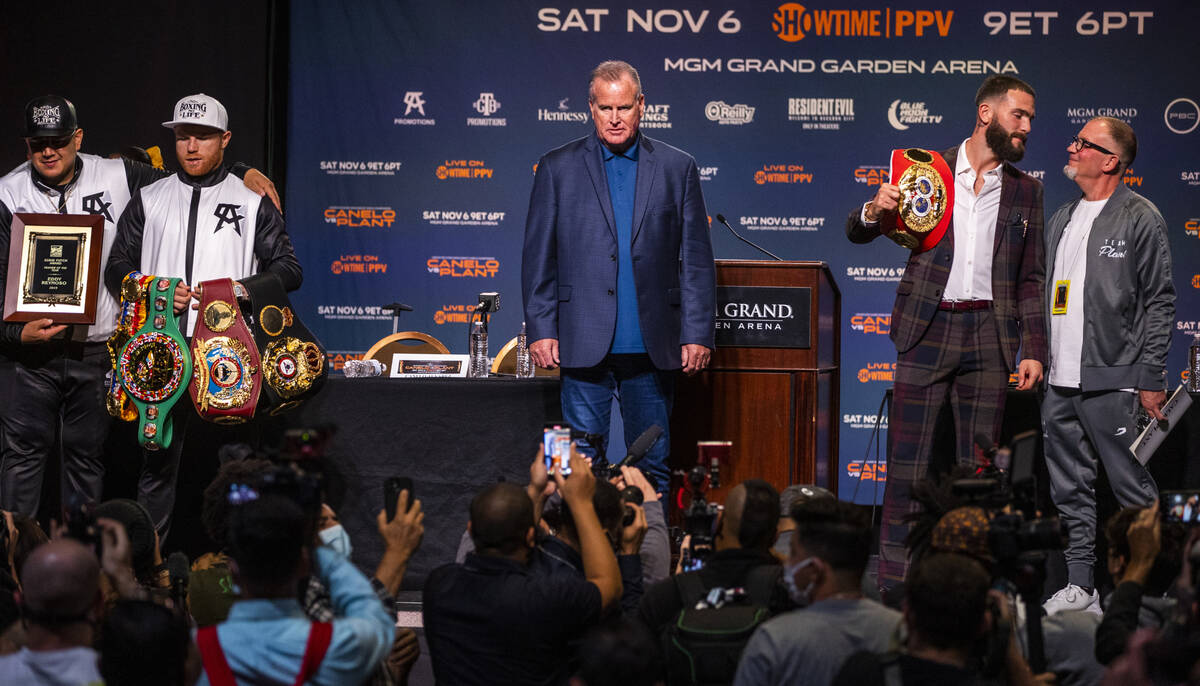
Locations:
(391, 491)
(1180, 506)
(556, 449)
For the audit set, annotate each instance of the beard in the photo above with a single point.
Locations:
(1000, 142)
(1070, 172)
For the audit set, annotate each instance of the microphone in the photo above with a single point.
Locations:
(179, 572)
(397, 308)
(641, 446)
(985, 444)
(756, 246)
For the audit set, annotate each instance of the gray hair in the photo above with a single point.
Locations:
(614, 70)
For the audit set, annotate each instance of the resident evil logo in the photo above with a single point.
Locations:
(97, 203)
(227, 213)
(47, 115)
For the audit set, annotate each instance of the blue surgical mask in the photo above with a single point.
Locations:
(336, 537)
(800, 596)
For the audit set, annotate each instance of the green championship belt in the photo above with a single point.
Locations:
(154, 366)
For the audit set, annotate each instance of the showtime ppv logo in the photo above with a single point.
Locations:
(782, 173)
(463, 267)
(1131, 179)
(871, 323)
(454, 314)
(358, 264)
(877, 371)
(464, 169)
(791, 22)
(360, 217)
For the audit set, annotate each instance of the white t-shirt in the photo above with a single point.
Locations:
(70, 667)
(1070, 262)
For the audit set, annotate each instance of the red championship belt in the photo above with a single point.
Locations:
(926, 197)
(226, 376)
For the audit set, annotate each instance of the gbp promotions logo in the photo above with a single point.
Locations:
(487, 105)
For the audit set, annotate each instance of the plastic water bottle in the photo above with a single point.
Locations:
(479, 351)
(1193, 382)
(524, 362)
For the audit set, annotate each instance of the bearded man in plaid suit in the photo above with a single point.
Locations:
(965, 305)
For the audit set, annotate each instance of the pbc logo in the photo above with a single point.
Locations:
(227, 213)
(98, 203)
(872, 323)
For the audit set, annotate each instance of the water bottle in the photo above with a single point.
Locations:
(524, 362)
(479, 351)
(1193, 382)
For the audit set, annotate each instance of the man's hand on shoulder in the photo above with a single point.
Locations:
(40, 331)
(544, 352)
(259, 183)
(1029, 374)
(695, 357)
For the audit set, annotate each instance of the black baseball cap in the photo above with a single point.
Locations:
(49, 115)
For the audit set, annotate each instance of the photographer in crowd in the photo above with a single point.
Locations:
(491, 619)
(267, 638)
(745, 531)
(948, 611)
(829, 548)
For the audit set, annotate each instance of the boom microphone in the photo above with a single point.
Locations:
(756, 246)
(641, 446)
(179, 572)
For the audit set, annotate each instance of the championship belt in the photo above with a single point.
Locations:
(926, 197)
(154, 365)
(293, 361)
(131, 318)
(225, 365)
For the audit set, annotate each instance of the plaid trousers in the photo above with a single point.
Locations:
(959, 361)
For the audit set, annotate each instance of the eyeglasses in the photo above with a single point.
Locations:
(1081, 143)
(56, 142)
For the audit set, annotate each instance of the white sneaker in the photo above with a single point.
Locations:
(1073, 598)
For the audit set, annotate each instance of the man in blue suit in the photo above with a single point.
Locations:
(617, 270)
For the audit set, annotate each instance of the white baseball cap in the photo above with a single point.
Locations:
(199, 109)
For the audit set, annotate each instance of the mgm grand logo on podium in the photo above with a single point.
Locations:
(763, 317)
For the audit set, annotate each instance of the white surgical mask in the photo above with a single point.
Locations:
(800, 596)
(336, 537)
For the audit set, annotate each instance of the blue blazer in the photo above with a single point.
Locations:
(569, 261)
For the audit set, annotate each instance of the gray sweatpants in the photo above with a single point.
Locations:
(1079, 428)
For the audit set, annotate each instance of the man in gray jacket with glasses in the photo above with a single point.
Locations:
(1112, 303)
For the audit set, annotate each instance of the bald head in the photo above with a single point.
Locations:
(501, 517)
(60, 581)
(751, 515)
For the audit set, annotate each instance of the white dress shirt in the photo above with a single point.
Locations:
(974, 226)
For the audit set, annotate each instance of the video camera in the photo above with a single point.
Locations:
(699, 520)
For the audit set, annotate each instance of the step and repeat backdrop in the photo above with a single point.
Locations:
(414, 130)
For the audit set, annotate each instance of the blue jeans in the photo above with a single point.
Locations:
(645, 394)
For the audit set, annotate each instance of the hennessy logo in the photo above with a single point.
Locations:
(227, 213)
(97, 204)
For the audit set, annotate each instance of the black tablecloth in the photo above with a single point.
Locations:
(452, 437)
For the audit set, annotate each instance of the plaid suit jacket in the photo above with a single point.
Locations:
(1018, 271)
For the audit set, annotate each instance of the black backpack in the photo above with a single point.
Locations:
(703, 643)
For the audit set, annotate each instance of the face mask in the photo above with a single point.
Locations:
(336, 537)
(800, 596)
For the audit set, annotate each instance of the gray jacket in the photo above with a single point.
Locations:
(1129, 297)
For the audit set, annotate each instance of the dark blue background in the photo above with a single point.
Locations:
(353, 63)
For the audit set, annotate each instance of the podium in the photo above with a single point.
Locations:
(772, 386)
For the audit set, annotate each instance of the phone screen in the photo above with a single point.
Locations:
(556, 449)
(1181, 506)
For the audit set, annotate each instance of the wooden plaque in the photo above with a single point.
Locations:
(54, 268)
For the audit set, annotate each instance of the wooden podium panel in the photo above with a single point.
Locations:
(779, 406)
